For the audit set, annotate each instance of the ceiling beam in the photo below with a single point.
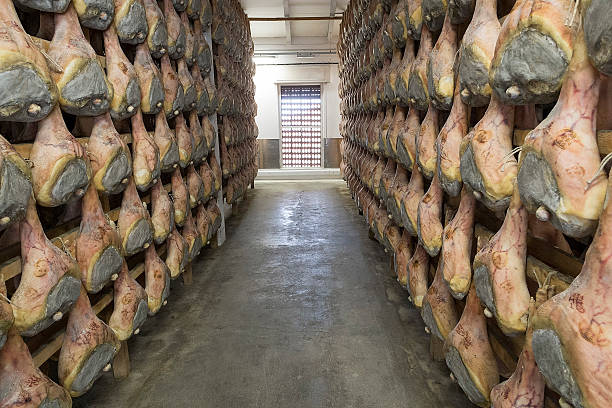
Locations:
(330, 23)
(286, 12)
(324, 18)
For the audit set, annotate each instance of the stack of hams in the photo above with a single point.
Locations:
(155, 86)
(432, 93)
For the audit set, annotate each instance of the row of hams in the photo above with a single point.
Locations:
(55, 283)
(69, 73)
(521, 60)
(408, 151)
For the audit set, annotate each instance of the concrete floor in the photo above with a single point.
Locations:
(297, 309)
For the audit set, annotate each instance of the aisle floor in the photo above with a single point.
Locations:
(297, 309)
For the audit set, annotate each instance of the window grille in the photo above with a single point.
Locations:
(301, 126)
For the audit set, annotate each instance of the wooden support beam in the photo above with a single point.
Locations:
(188, 275)
(121, 363)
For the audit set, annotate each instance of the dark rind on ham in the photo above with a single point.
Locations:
(107, 264)
(451, 187)
(159, 40)
(92, 368)
(170, 158)
(472, 177)
(428, 318)
(189, 98)
(404, 157)
(461, 11)
(433, 252)
(474, 77)
(15, 192)
(535, 64)
(483, 288)
(60, 299)
(118, 169)
(87, 85)
(204, 59)
(139, 235)
(408, 223)
(132, 98)
(417, 92)
(132, 28)
(20, 87)
(178, 51)
(49, 6)
(179, 5)
(156, 95)
(436, 10)
(440, 103)
(141, 315)
(549, 357)
(598, 34)
(178, 104)
(455, 363)
(93, 9)
(73, 178)
(538, 187)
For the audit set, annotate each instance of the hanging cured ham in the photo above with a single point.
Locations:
(122, 75)
(135, 227)
(558, 170)
(157, 278)
(6, 313)
(499, 271)
(439, 311)
(200, 149)
(415, 18)
(487, 164)
(192, 237)
(433, 13)
(131, 21)
(27, 91)
(130, 307)
(426, 156)
(571, 331)
(176, 31)
(146, 163)
(98, 249)
(57, 6)
(22, 382)
(418, 92)
(50, 281)
(162, 213)
(109, 156)
(190, 45)
(460, 11)
(195, 187)
(598, 32)
(157, 37)
(180, 197)
(418, 272)
(81, 82)
(440, 68)
(533, 51)
(410, 202)
(429, 218)
(150, 81)
(203, 223)
(476, 53)
(189, 91)
(89, 346)
(166, 143)
(185, 141)
(526, 385)
(403, 255)
(406, 141)
(457, 247)
(174, 98)
(15, 185)
(469, 355)
(177, 257)
(448, 146)
(61, 169)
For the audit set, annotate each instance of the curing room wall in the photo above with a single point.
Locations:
(267, 80)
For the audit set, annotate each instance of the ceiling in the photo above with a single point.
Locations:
(294, 35)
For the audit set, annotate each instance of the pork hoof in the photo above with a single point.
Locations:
(550, 359)
(116, 174)
(105, 267)
(24, 95)
(58, 302)
(98, 14)
(458, 368)
(73, 178)
(139, 235)
(86, 93)
(92, 368)
(132, 25)
(15, 192)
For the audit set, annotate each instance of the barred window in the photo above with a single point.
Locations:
(301, 126)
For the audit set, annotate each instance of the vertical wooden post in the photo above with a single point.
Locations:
(188, 275)
(436, 348)
(121, 363)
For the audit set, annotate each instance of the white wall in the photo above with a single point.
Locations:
(267, 79)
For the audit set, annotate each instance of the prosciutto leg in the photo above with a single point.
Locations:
(131, 21)
(50, 281)
(157, 36)
(429, 218)
(15, 185)
(174, 98)
(23, 384)
(418, 272)
(426, 156)
(560, 159)
(166, 143)
(95, 14)
(457, 247)
(469, 355)
(146, 163)
(192, 237)
(130, 307)
(180, 197)
(439, 311)
(177, 257)
(410, 201)
(157, 277)
(61, 169)
(98, 249)
(418, 91)
(162, 213)
(89, 346)
(150, 81)
(27, 91)
(440, 69)
(109, 156)
(135, 226)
